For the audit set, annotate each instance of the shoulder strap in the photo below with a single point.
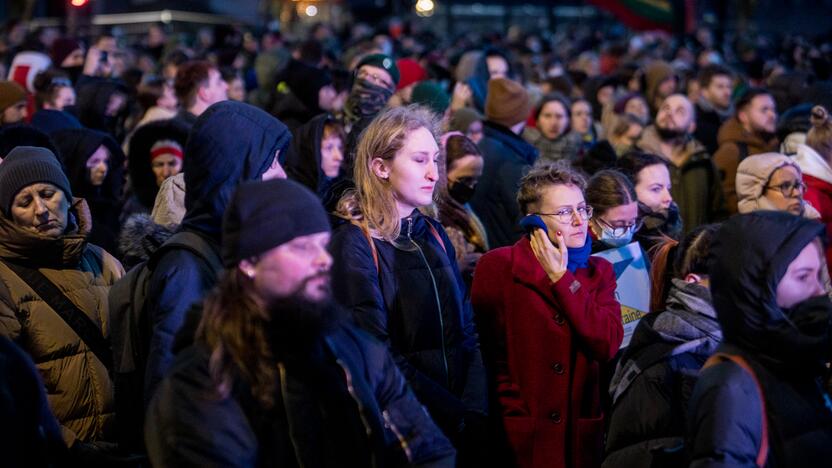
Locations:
(762, 454)
(80, 323)
(437, 237)
(366, 232)
(193, 243)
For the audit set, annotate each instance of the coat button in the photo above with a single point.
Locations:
(558, 319)
(555, 417)
(557, 367)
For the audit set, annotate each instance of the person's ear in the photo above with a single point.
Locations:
(247, 268)
(380, 168)
(692, 278)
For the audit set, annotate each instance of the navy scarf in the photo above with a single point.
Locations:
(579, 256)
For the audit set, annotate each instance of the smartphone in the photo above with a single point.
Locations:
(532, 222)
(103, 57)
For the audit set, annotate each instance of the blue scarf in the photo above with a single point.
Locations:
(579, 256)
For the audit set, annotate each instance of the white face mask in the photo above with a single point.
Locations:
(607, 236)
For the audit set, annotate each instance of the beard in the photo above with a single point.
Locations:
(668, 134)
(298, 321)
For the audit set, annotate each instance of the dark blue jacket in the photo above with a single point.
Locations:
(230, 143)
(49, 121)
(507, 158)
(414, 302)
(787, 350)
(188, 424)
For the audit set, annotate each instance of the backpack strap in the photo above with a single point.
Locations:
(70, 313)
(192, 242)
(717, 358)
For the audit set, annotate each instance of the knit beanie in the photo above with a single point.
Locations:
(163, 147)
(753, 174)
(61, 49)
(305, 82)
(10, 94)
(462, 119)
(27, 165)
(263, 215)
(431, 94)
(411, 72)
(381, 61)
(507, 103)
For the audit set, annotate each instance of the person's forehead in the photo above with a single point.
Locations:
(676, 101)
(374, 69)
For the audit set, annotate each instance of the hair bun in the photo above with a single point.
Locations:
(819, 116)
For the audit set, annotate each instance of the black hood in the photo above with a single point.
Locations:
(749, 256)
(230, 143)
(93, 98)
(142, 179)
(303, 160)
(75, 146)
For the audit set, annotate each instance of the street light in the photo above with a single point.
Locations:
(425, 7)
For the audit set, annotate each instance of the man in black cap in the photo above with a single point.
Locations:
(276, 376)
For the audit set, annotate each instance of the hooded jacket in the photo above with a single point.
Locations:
(78, 386)
(754, 173)
(93, 99)
(75, 147)
(414, 302)
(544, 344)
(656, 374)
(303, 159)
(142, 180)
(817, 175)
(736, 143)
(507, 157)
(190, 425)
(750, 255)
(231, 143)
(695, 184)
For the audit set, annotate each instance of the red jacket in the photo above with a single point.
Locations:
(819, 195)
(543, 343)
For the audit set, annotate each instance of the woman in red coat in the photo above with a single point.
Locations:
(548, 318)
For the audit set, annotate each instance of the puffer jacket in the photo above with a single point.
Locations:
(230, 143)
(655, 378)
(78, 386)
(727, 158)
(414, 302)
(189, 425)
(788, 351)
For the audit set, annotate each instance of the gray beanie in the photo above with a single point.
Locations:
(27, 165)
(265, 215)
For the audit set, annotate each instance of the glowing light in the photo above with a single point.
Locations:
(424, 7)
(311, 10)
(78, 3)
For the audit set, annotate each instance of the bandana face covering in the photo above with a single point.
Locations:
(366, 99)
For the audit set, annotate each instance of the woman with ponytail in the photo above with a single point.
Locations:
(658, 370)
(815, 161)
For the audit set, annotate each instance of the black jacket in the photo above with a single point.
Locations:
(655, 378)
(507, 158)
(75, 147)
(414, 302)
(230, 143)
(303, 159)
(788, 351)
(188, 424)
(94, 96)
(708, 122)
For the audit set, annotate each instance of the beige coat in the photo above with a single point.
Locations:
(78, 387)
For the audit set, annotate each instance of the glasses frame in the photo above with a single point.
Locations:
(800, 185)
(563, 219)
(619, 232)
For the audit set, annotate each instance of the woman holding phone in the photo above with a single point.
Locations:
(548, 318)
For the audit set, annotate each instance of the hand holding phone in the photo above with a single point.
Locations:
(553, 257)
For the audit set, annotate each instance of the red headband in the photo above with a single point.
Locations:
(156, 152)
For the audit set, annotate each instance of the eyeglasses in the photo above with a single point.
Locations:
(620, 231)
(787, 188)
(566, 215)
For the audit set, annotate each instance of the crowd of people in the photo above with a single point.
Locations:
(376, 247)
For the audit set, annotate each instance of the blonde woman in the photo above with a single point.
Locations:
(395, 269)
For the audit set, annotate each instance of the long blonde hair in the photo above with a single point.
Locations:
(372, 204)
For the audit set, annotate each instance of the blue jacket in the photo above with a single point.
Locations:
(414, 302)
(507, 158)
(188, 424)
(230, 143)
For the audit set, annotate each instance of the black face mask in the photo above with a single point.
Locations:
(813, 320)
(461, 192)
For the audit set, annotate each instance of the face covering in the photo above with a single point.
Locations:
(461, 192)
(365, 100)
(609, 239)
(813, 320)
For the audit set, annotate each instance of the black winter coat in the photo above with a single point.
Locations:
(414, 302)
(787, 349)
(188, 424)
(230, 143)
(655, 378)
(507, 158)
